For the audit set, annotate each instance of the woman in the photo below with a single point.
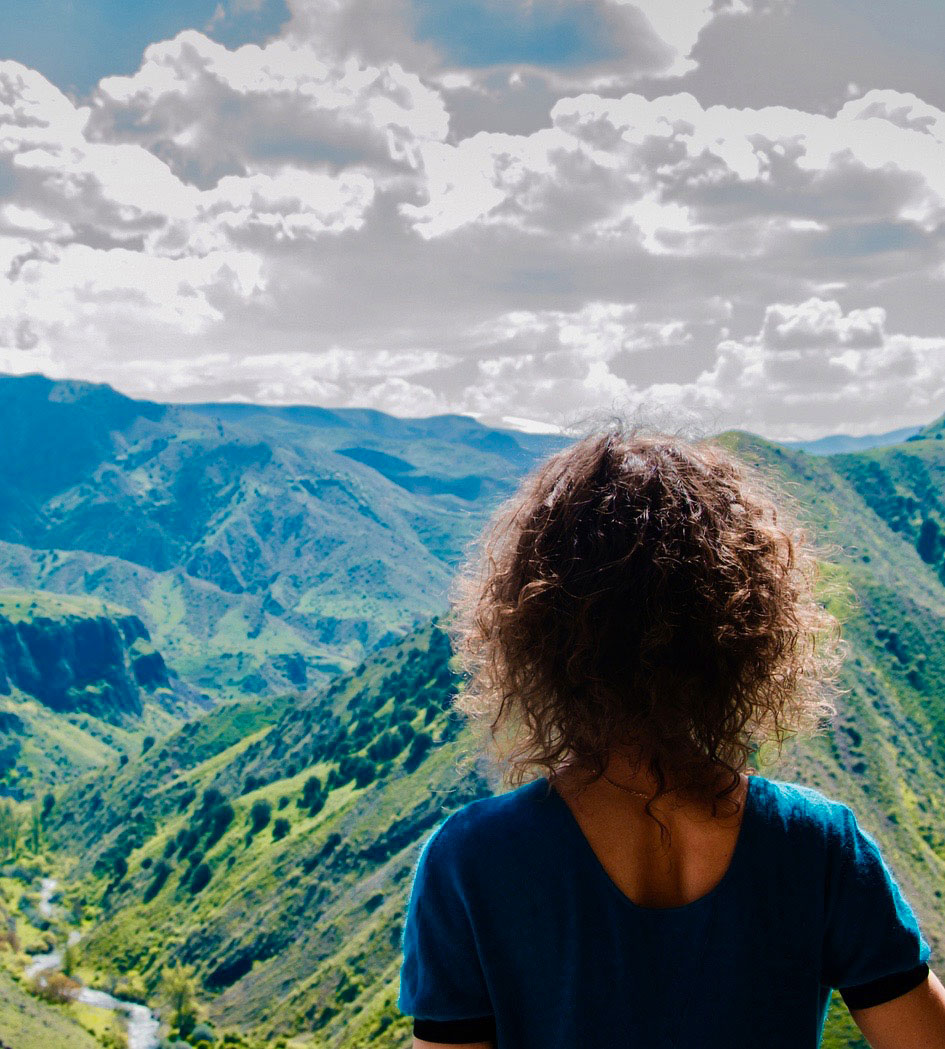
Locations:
(640, 620)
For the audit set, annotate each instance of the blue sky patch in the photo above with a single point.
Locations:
(489, 32)
(74, 43)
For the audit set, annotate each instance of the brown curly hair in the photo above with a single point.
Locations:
(640, 588)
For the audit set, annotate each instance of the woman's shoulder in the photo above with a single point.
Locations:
(797, 806)
(499, 819)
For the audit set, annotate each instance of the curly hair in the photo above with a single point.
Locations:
(643, 589)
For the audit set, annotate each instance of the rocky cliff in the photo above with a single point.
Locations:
(76, 654)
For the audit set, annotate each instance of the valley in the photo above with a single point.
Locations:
(252, 825)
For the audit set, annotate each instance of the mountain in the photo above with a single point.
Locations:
(77, 654)
(264, 548)
(841, 442)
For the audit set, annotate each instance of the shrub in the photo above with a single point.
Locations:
(162, 870)
(419, 746)
(187, 838)
(223, 816)
(364, 772)
(55, 987)
(200, 878)
(313, 795)
(259, 815)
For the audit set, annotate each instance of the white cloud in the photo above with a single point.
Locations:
(76, 301)
(209, 111)
(813, 359)
(680, 178)
(319, 218)
(818, 323)
(678, 24)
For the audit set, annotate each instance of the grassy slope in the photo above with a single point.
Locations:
(326, 911)
(28, 1023)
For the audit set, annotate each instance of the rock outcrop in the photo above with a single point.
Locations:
(76, 655)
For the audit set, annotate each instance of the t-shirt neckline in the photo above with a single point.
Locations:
(744, 833)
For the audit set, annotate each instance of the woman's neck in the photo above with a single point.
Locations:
(628, 780)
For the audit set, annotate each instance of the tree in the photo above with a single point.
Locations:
(200, 878)
(11, 829)
(313, 795)
(70, 959)
(56, 987)
(162, 870)
(35, 833)
(146, 744)
(419, 746)
(929, 539)
(179, 990)
(221, 817)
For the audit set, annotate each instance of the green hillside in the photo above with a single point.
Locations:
(167, 848)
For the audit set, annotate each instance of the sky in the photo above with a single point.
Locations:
(704, 213)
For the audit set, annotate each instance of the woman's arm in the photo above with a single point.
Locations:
(915, 1020)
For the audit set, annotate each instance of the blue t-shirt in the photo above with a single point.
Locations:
(513, 922)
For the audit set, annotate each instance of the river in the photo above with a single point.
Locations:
(142, 1024)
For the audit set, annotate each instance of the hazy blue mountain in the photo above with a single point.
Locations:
(841, 442)
(263, 547)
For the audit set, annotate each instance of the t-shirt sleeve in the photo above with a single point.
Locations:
(441, 977)
(873, 948)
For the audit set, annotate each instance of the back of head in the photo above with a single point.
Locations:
(648, 591)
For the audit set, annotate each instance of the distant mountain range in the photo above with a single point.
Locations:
(842, 442)
(262, 547)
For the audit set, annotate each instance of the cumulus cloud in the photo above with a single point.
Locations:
(686, 178)
(805, 354)
(817, 324)
(811, 359)
(209, 112)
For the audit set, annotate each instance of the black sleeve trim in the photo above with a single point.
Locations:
(885, 989)
(480, 1029)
